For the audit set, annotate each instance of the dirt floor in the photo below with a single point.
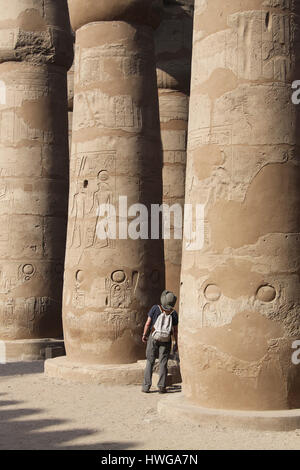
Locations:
(44, 413)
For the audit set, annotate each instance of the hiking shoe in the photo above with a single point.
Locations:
(162, 390)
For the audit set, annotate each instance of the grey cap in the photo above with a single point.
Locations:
(168, 299)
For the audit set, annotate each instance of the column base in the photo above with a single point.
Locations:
(111, 374)
(178, 407)
(30, 349)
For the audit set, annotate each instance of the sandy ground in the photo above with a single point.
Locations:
(44, 413)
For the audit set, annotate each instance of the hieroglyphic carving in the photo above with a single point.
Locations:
(78, 296)
(29, 306)
(36, 306)
(23, 309)
(119, 293)
(8, 38)
(6, 197)
(96, 63)
(26, 272)
(120, 289)
(78, 299)
(9, 311)
(94, 176)
(13, 276)
(8, 278)
(33, 165)
(7, 166)
(256, 45)
(13, 127)
(118, 322)
(220, 135)
(6, 207)
(96, 109)
(3, 93)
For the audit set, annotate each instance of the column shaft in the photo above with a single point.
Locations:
(240, 294)
(34, 57)
(110, 283)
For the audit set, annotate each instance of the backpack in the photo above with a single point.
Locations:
(163, 327)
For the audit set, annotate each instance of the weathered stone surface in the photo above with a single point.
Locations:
(240, 296)
(116, 151)
(176, 407)
(173, 49)
(33, 169)
(70, 121)
(30, 350)
(113, 374)
(36, 31)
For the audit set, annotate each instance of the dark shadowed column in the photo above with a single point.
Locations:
(71, 99)
(173, 48)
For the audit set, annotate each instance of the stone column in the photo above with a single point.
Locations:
(35, 53)
(71, 99)
(111, 282)
(173, 46)
(240, 296)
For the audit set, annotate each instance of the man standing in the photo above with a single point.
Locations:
(162, 323)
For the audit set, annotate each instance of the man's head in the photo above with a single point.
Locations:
(168, 300)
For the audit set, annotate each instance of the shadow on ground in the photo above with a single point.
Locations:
(22, 429)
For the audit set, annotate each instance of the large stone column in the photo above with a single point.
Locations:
(240, 295)
(35, 53)
(116, 152)
(173, 47)
(71, 100)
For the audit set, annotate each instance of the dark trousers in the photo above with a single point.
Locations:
(156, 349)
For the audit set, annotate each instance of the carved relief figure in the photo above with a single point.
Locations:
(9, 311)
(103, 196)
(94, 191)
(78, 213)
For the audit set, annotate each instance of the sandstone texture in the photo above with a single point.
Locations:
(35, 53)
(240, 293)
(27, 350)
(175, 407)
(112, 374)
(116, 152)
